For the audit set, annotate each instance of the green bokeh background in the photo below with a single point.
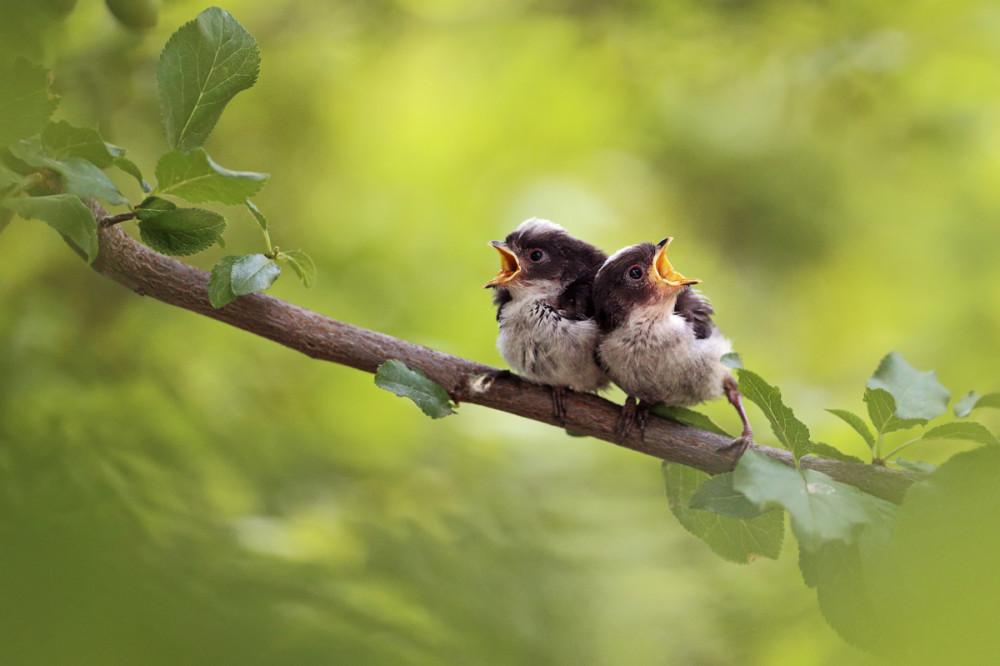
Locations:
(176, 491)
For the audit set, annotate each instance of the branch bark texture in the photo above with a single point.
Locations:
(149, 273)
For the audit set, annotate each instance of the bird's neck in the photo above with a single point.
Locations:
(542, 290)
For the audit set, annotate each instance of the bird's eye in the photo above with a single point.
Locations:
(635, 272)
(536, 255)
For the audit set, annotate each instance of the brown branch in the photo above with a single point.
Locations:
(151, 274)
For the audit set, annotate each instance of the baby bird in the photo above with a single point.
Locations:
(545, 309)
(658, 341)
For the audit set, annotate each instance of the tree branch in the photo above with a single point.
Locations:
(149, 273)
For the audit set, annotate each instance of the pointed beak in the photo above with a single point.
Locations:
(509, 268)
(664, 272)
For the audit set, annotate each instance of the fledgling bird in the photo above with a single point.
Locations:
(658, 341)
(545, 309)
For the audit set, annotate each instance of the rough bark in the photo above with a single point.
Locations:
(148, 273)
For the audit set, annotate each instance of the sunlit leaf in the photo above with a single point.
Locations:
(429, 396)
(973, 401)
(717, 495)
(220, 282)
(63, 212)
(792, 433)
(254, 272)
(130, 167)
(204, 64)
(302, 264)
(181, 231)
(257, 215)
(735, 540)
(882, 412)
(196, 178)
(964, 430)
(821, 509)
(25, 100)
(732, 360)
(857, 423)
(918, 395)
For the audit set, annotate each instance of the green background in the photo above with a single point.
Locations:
(176, 491)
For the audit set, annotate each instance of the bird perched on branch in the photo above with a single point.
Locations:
(545, 308)
(658, 341)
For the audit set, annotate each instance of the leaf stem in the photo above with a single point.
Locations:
(901, 447)
(112, 220)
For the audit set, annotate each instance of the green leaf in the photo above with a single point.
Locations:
(254, 272)
(918, 395)
(257, 215)
(85, 180)
(79, 176)
(204, 65)
(181, 231)
(5, 217)
(882, 412)
(302, 264)
(965, 430)
(8, 178)
(61, 140)
(940, 584)
(157, 203)
(430, 397)
(732, 360)
(25, 101)
(973, 400)
(821, 450)
(718, 496)
(821, 509)
(63, 212)
(688, 417)
(196, 178)
(129, 167)
(918, 466)
(220, 282)
(843, 575)
(134, 14)
(857, 423)
(792, 433)
(735, 540)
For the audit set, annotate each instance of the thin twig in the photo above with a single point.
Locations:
(111, 220)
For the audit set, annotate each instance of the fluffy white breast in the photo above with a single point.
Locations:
(655, 356)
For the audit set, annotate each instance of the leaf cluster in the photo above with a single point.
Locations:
(843, 534)
(50, 169)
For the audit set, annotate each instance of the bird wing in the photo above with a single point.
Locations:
(501, 297)
(576, 300)
(697, 311)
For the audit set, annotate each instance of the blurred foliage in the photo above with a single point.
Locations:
(173, 491)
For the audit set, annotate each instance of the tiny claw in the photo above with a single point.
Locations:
(632, 414)
(739, 445)
(559, 403)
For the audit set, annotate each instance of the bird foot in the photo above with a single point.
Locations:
(739, 445)
(632, 415)
(559, 403)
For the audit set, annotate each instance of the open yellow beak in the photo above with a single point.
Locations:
(509, 268)
(665, 273)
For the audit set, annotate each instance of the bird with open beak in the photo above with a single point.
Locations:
(545, 309)
(658, 341)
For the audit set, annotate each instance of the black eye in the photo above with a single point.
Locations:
(635, 272)
(536, 255)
